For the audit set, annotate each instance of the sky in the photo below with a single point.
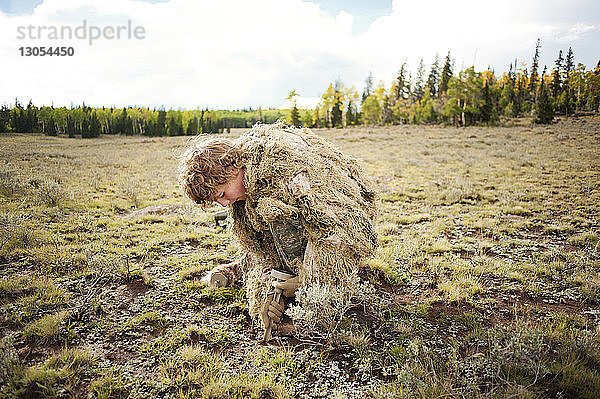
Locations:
(232, 54)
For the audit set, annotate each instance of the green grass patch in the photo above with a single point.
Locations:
(588, 238)
(110, 385)
(47, 327)
(152, 321)
(61, 375)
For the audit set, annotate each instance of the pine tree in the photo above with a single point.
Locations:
(446, 75)
(51, 127)
(295, 116)
(351, 114)
(568, 94)
(487, 106)
(173, 126)
(193, 127)
(31, 121)
(85, 129)
(557, 72)
(94, 125)
(419, 90)
(161, 123)
(4, 119)
(336, 114)
(124, 123)
(294, 112)
(400, 84)
(507, 94)
(337, 103)
(534, 77)
(17, 118)
(520, 79)
(434, 77)
(569, 64)
(69, 126)
(544, 110)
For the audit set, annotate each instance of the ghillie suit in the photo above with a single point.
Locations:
(313, 199)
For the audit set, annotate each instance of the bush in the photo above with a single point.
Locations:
(49, 192)
(320, 308)
(9, 185)
(13, 233)
(48, 327)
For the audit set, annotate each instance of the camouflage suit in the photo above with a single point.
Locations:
(308, 209)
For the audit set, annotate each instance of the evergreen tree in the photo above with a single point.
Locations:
(51, 127)
(17, 118)
(534, 77)
(400, 86)
(419, 90)
(94, 125)
(69, 126)
(86, 132)
(544, 110)
(351, 114)
(123, 124)
(295, 116)
(294, 112)
(193, 127)
(174, 126)
(569, 64)
(567, 99)
(434, 77)
(557, 72)
(336, 114)
(161, 123)
(446, 75)
(487, 105)
(4, 119)
(30, 120)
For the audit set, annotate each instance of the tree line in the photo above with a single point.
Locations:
(468, 97)
(87, 122)
(437, 95)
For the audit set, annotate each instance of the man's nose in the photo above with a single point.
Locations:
(223, 202)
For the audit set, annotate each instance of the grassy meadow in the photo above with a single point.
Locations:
(488, 268)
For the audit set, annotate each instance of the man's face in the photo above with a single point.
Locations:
(232, 191)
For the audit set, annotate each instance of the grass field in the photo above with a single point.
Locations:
(488, 266)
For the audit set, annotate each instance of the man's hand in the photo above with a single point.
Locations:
(273, 310)
(289, 286)
(222, 275)
(215, 279)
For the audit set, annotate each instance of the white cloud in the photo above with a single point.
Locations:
(236, 53)
(573, 33)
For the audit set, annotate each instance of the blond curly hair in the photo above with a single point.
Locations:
(206, 163)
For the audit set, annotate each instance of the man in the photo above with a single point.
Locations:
(298, 206)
